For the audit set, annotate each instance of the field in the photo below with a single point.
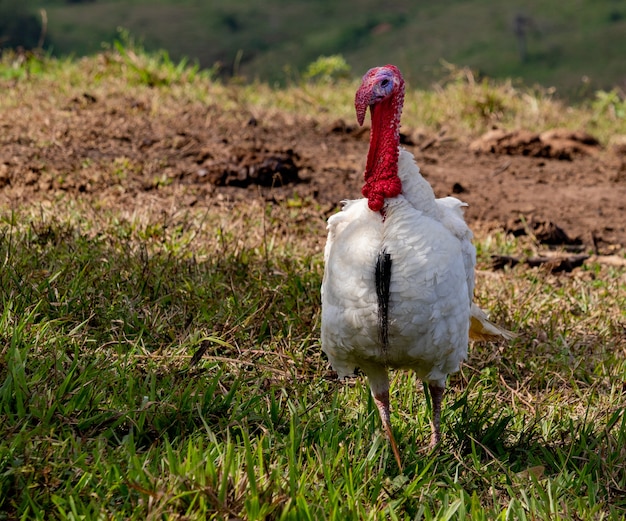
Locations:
(574, 47)
(161, 237)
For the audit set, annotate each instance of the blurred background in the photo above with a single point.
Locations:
(573, 47)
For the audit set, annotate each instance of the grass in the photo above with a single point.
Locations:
(109, 411)
(462, 105)
(573, 47)
(106, 415)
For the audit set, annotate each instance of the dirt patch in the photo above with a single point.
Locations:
(120, 151)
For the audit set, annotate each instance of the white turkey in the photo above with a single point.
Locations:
(399, 267)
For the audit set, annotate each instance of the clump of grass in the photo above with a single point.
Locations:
(153, 69)
(327, 69)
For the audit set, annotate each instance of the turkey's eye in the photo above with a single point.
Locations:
(384, 83)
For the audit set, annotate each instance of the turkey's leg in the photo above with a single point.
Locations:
(436, 395)
(379, 387)
(381, 399)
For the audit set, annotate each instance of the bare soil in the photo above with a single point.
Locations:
(120, 152)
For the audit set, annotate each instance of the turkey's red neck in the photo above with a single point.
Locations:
(381, 172)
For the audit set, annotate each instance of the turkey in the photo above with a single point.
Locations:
(399, 268)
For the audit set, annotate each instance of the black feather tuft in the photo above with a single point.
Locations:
(383, 281)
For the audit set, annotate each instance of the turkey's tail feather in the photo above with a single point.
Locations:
(383, 280)
(482, 329)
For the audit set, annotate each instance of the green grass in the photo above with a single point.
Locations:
(106, 414)
(575, 47)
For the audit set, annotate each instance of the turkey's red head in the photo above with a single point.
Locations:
(382, 90)
(380, 85)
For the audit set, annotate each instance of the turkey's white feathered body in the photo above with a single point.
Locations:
(432, 280)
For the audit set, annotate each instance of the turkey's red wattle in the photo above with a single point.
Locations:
(381, 172)
(377, 191)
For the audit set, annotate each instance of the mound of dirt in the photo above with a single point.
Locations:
(555, 143)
